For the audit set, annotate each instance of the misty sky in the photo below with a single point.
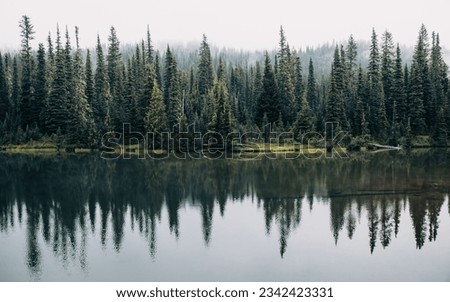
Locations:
(232, 23)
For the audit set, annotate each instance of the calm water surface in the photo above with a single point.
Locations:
(378, 217)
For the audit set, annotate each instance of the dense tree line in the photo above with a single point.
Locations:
(75, 96)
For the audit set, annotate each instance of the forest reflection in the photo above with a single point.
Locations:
(60, 200)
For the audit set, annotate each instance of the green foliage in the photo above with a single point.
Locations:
(40, 87)
(155, 118)
(4, 94)
(221, 119)
(398, 92)
(303, 123)
(285, 79)
(27, 98)
(53, 90)
(205, 69)
(102, 100)
(335, 112)
(311, 89)
(172, 93)
(56, 110)
(268, 106)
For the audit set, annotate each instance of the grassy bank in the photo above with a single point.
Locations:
(247, 150)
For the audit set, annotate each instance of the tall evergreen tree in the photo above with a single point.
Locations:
(41, 87)
(335, 112)
(303, 123)
(172, 93)
(102, 102)
(268, 104)
(90, 89)
(113, 59)
(421, 108)
(361, 122)
(27, 62)
(351, 52)
(156, 118)
(149, 46)
(205, 74)
(55, 115)
(387, 72)
(350, 82)
(285, 80)
(311, 89)
(81, 127)
(221, 119)
(15, 97)
(398, 93)
(50, 68)
(118, 110)
(438, 77)
(377, 108)
(69, 85)
(158, 69)
(298, 80)
(4, 95)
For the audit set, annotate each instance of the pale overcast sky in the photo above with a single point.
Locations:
(232, 23)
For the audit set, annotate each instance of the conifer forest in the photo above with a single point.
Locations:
(62, 93)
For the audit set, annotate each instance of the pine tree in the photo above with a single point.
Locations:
(102, 102)
(311, 89)
(399, 113)
(420, 87)
(221, 119)
(40, 87)
(438, 78)
(130, 97)
(335, 112)
(285, 80)
(351, 52)
(81, 126)
(298, 87)
(361, 125)
(90, 89)
(158, 69)
(221, 72)
(69, 86)
(4, 95)
(377, 121)
(145, 96)
(257, 90)
(141, 91)
(205, 74)
(387, 72)
(27, 60)
(55, 114)
(149, 47)
(156, 118)
(14, 113)
(116, 83)
(350, 82)
(268, 102)
(172, 93)
(50, 75)
(113, 59)
(303, 122)
(416, 110)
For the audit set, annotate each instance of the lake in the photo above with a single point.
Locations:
(371, 217)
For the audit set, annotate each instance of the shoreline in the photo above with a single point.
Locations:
(255, 151)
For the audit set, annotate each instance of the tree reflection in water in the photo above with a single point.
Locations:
(63, 199)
